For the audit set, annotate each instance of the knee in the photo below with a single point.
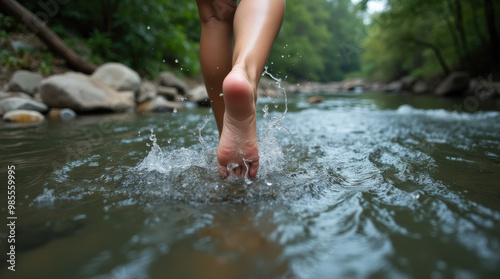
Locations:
(216, 11)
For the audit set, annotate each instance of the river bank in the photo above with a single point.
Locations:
(31, 97)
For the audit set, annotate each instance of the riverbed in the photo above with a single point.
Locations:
(360, 185)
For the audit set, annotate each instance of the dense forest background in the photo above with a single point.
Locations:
(320, 40)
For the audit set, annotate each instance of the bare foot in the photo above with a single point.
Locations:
(238, 150)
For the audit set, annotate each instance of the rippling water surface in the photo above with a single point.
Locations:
(366, 185)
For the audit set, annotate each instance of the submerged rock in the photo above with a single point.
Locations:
(83, 94)
(23, 116)
(455, 83)
(315, 100)
(158, 104)
(118, 77)
(64, 114)
(171, 80)
(25, 81)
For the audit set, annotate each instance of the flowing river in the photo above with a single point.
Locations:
(360, 185)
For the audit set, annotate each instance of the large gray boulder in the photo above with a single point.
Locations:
(171, 80)
(455, 83)
(118, 77)
(83, 94)
(25, 81)
(17, 103)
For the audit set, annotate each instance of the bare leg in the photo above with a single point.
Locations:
(216, 50)
(256, 25)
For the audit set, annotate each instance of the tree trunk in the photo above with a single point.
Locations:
(436, 51)
(45, 34)
(461, 31)
(489, 11)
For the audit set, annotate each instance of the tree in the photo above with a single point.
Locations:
(39, 27)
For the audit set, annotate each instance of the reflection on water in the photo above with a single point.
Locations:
(367, 187)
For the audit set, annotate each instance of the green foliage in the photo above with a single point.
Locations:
(425, 38)
(100, 44)
(319, 40)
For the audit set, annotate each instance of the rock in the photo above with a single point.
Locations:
(83, 94)
(17, 103)
(158, 104)
(352, 83)
(393, 87)
(14, 94)
(332, 87)
(483, 89)
(170, 93)
(407, 83)
(170, 80)
(25, 81)
(118, 77)
(23, 116)
(200, 96)
(455, 83)
(18, 45)
(420, 87)
(64, 114)
(148, 92)
(315, 100)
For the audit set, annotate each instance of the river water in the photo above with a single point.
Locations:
(363, 185)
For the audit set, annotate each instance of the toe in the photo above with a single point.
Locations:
(254, 167)
(222, 170)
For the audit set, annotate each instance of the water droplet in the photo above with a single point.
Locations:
(176, 60)
(175, 110)
(217, 67)
(163, 60)
(282, 56)
(416, 194)
(221, 94)
(265, 110)
(269, 184)
(182, 68)
(149, 27)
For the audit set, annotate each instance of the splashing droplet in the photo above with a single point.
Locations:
(149, 27)
(176, 60)
(221, 94)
